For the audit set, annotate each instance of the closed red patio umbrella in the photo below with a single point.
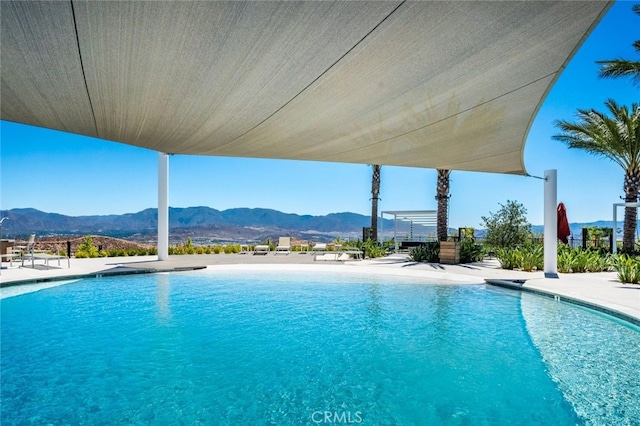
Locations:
(563, 224)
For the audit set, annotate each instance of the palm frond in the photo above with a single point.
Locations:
(616, 138)
(620, 68)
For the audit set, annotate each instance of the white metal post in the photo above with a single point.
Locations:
(163, 206)
(614, 249)
(550, 223)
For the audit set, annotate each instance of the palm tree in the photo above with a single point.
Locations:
(621, 67)
(375, 197)
(617, 138)
(442, 195)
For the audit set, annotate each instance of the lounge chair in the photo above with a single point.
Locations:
(284, 245)
(28, 252)
(261, 249)
(319, 247)
(304, 247)
(26, 248)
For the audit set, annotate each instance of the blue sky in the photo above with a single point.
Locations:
(73, 175)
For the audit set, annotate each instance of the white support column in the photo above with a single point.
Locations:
(163, 206)
(614, 249)
(550, 224)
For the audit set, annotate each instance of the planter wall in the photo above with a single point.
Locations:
(450, 252)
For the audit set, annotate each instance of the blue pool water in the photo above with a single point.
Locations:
(250, 349)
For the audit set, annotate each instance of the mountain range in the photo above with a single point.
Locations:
(238, 224)
(208, 224)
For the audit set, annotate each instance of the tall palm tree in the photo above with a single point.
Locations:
(442, 195)
(617, 138)
(622, 67)
(375, 197)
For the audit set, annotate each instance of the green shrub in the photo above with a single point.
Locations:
(509, 258)
(577, 260)
(528, 258)
(372, 249)
(428, 252)
(232, 248)
(116, 252)
(87, 249)
(532, 258)
(470, 251)
(508, 227)
(628, 269)
(81, 254)
(217, 249)
(103, 253)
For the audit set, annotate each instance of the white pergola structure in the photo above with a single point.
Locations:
(434, 84)
(418, 218)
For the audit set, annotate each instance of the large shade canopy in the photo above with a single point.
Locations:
(435, 84)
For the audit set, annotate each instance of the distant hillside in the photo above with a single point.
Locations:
(207, 224)
(239, 224)
(576, 228)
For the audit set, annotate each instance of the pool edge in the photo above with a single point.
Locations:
(519, 285)
(98, 274)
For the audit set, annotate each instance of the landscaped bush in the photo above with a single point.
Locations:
(428, 252)
(570, 259)
(528, 258)
(470, 251)
(232, 248)
(217, 249)
(509, 258)
(186, 248)
(508, 227)
(87, 249)
(628, 269)
(575, 259)
(116, 252)
(372, 249)
(532, 258)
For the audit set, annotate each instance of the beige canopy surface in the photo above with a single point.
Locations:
(435, 84)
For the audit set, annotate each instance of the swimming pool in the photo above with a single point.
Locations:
(234, 348)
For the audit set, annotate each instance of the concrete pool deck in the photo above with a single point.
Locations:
(601, 290)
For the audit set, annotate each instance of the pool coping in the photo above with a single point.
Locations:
(118, 270)
(519, 285)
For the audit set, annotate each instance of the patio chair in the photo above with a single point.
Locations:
(26, 248)
(261, 249)
(27, 251)
(284, 245)
(319, 247)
